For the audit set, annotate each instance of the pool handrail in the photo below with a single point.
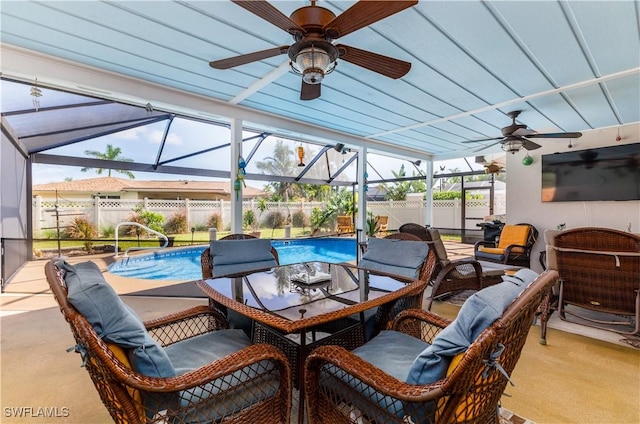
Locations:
(137, 224)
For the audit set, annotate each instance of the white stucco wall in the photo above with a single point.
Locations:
(524, 184)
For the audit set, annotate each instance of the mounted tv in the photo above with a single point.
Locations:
(606, 173)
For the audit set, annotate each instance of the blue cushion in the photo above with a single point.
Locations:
(392, 352)
(195, 352)
(112, 320)
(478, 312)
(393, 256)
(240, 256)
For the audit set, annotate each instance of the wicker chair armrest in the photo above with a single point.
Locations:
(462, 267)
(223, 367)
(420, 324)
(186, 324)
(347, 362)
(484, 243)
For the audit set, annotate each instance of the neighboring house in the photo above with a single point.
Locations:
(120, 188)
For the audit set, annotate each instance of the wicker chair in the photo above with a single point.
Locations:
(345, 224)
(383, 316)
(205, 259)
(599, 272)
(382, 223)
(513, 246)
(344, 388)
(202, 395)
(452, 276)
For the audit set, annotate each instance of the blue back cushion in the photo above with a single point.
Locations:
(112, 320)
(479, 311)
(400, 257)
(239, 256)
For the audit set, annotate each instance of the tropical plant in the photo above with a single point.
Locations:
(215, 221)
(275, 219)
(261, 206)
(177, 224)
(152, 220)
(282, 163)
(300, 219)
(372, 225)
(249, 219)
(112, 154)
(81, 228)
(399, 189)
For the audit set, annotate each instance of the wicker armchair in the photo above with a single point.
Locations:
(205, 259)
(342, 387)
(599, 272)
(513, 246)
(453, 276)
(248, 386)
(382, 317)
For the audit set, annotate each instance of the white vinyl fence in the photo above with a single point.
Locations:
(107, 213)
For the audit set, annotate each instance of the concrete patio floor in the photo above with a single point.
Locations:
(582, 375)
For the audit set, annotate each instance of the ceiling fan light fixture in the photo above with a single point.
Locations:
(512, 145)
(313, 63)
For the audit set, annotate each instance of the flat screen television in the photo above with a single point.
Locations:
(605, 173)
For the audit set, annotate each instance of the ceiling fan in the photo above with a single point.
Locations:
(313, 54)
(516, 136)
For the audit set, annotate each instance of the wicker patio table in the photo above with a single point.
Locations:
(298, 315)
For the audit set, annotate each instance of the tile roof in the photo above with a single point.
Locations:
(114, 184)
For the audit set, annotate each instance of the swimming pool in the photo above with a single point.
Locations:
(184, 264)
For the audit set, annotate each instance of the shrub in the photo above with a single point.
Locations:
(300, 219)
(108, 231)
(177, 224)
(274, 219)
(321, 218)
(215, 221)
(249, 219)
(82, 229)
(152, 220)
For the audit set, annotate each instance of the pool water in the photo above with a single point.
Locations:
(184, 264)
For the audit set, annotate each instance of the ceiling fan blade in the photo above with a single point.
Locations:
(269, 13)
(363, 13)
(556, 135)
(247, 58)
(486, 146)
(309, 91)
(523, 132)
(385, 65)
(530, 145)
(483, 139)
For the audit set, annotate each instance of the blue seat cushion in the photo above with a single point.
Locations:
(233, 392)
(392, 256)
(231, 257)
(477, 313)
(391, 351)
(113, 320)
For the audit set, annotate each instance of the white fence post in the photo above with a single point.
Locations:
(96, 212)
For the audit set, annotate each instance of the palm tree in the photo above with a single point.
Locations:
(112, 153)
(282, 163)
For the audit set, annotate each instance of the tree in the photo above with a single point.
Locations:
(399, 189)
(282, 163)
(112, 153)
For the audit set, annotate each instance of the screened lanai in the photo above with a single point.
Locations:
(57, 129)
